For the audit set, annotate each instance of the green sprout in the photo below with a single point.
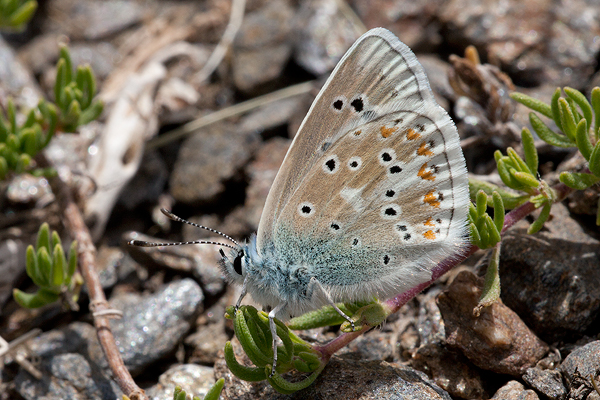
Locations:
(74, 94)
(213, 393)
(48, 268)
(252, 330)
(14, 14)
(20, 143)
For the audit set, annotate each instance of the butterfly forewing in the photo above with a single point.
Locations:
(374, 184)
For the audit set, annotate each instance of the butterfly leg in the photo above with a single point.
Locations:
(325, 293)
(273, 328)
(243, 294)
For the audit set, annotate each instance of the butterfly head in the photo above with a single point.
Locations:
(234, 264)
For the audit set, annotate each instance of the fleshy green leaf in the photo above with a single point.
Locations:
(491, 287)
(582, 102)
(11, 113)
(91, 113)
(254, 353)
(22, 163)
(520, 165)
(61, 82)
(547, 134)
(498, 211)
(45, 266)
(534, 104)
(539, 222)
(596, 106)
(556, 109)
(72, 262)
(31, 266)
(34, 300)
(492, 230)
(285, 387)
(583, 139)
(577, 180)
(3, 167)
(215, 391)
(43, 238)
(531, 155)
(526, 179)
(250, 374)
(594, 164)
(59, 266)
(509, 199)
(23, 14)
(568, 119)
(481, 203)
(475, 237)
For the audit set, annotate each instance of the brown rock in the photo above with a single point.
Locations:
(497, 340)
(514, 390)
(550, 279)
(450, 370)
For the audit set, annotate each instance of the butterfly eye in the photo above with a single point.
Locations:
(237, 263)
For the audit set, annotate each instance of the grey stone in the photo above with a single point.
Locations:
(343, 379)
(17, 81)
(91, 20)
(550, 279)
(514, 390)
(582, 363)
(199, 260)
(208, 159)
(196, 380)
(12, 265)
(547, 382)
(254, 68)
(262, 172)
(262, 46)
(416, 23)
(537, 41)
(148, 183)
(152, 326)
(324, 34)
(67, 376)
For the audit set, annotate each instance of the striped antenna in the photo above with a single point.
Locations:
(174, 217)
(169, 214)
(143, 243)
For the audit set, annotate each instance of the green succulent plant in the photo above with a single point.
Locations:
(50, 270)
(14, 14)
(75, 106)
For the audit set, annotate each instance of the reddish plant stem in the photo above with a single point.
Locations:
(86, 254)
(394, 304)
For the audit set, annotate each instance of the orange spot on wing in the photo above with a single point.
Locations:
(429, 222)
(412, 135)
(429, 235)
(431, 199)
(427, 175)
(387, 132)
(357, 133)
(423, 150)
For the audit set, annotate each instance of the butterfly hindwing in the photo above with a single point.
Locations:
(368, 191)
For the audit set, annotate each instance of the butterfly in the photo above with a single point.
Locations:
(372, 193)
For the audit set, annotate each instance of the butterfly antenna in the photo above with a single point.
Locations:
(143, 243)
(174, 217)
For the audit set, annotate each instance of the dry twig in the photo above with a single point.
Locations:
(235, 22)
(86, 253)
